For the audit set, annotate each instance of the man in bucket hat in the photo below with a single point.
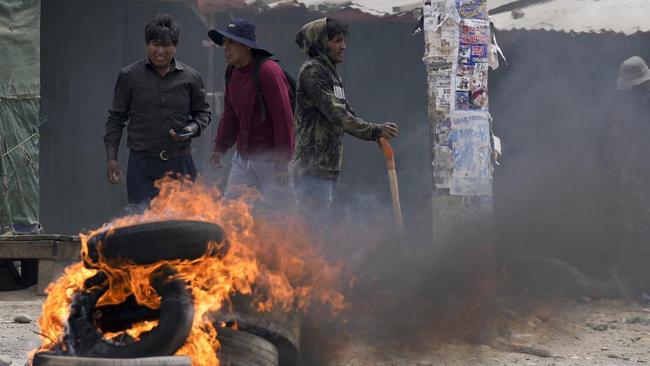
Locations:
(257, 117)
(633, 72)
(629, 131)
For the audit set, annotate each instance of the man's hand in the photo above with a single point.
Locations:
(389, 130)
(216, 160)
(113, 172)
(5, 184)
(186, 133)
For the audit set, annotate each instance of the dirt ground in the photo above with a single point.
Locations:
(566, 332)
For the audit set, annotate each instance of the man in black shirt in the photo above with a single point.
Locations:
(164, 102)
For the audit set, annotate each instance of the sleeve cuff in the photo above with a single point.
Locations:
(221, 148)
(111, 152)
(376, 131)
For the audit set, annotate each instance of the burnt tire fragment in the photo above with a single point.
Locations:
(154, 242)
(176, 315)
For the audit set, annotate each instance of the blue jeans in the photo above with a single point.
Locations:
(259, 174)
(315, 197)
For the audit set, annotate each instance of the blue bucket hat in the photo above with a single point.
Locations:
(239, 30)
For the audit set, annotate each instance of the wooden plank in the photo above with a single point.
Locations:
(45, 275)
(67, 250)
(24, 250)
(39, 249)
(56, 237)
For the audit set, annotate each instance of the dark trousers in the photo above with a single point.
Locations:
(143, 171)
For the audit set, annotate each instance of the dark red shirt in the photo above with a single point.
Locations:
(240, 122)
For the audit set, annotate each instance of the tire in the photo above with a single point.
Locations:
(43, 359)
(239, 348)
(115, 318)
(175, 322)
(280, 328)
(154, 242)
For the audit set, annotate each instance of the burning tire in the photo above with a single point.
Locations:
(154, 242)
(43, 359)
(239, 348)
(276, 326)
(175, 319)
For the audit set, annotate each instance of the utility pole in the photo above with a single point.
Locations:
(457, 52)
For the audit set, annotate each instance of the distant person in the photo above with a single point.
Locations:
(629, 134)
(163, 101)
(257, 117)
(322, 117)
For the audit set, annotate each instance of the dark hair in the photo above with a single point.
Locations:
(163, 29)
(336, 27)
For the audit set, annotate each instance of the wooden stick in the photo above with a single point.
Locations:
(392, 179)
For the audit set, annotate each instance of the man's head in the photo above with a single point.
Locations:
(236, 54)
(238, 41)
(336, 33)
(161, 37)
(634, 73)
(324, 37)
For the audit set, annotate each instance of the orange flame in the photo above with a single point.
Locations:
(274, 255)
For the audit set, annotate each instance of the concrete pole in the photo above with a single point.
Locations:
(457, 38)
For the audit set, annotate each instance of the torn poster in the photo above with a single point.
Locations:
(443, 162)
(443, 94)
(473, 9)
(472, 65)
(470, 143)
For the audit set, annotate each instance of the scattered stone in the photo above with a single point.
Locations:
(528, 350)
(517, 13)
(22, 319)
(522, 338)
(598, 327)
(618, 357)
(604, 348)
(4, 360)
(585, 299)
(638, 320)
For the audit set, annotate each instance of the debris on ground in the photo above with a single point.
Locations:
(22, 319)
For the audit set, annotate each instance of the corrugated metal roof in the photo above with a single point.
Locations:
(374, 8)
(580, 16)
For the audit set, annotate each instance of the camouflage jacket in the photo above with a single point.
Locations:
(322, 113)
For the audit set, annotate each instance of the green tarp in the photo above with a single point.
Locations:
(19, 110)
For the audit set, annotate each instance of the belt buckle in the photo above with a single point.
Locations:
(164, 155)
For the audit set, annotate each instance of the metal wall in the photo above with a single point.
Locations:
(85, 42)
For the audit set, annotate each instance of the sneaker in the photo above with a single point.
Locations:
(31, 229)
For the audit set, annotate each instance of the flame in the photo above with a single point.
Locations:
(135, 331)
(272, 254)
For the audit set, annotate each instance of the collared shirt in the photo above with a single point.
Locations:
(153, 105)
(240, 122)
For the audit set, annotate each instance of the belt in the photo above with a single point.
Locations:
(164, 155)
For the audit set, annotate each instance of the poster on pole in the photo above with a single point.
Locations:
(471, 89)
(469, 138)
(472, 9)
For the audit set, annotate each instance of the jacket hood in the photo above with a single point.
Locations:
(313, 39)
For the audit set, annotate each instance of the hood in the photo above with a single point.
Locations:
(313, 37)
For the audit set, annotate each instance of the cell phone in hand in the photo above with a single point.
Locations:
(184, 133)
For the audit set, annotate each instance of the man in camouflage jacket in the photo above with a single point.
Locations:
(322, 117)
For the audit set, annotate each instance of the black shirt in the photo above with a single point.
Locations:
(153, 105)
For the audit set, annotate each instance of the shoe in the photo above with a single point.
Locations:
(31, 229)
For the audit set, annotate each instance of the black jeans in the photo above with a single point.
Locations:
(143, 171)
